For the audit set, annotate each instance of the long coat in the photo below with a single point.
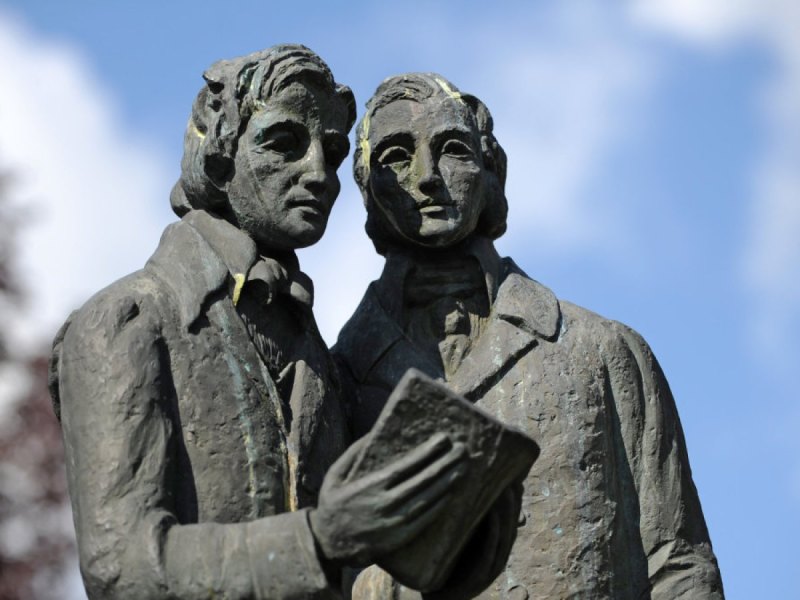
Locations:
(186, 468)
(609, 509)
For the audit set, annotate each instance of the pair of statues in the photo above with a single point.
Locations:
(211, 436)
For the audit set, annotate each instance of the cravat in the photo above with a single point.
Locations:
(444, 306)
(275, 313)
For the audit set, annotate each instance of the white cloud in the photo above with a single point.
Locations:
(88, 191)
(342, 264)
(89, 187)
(708, 22)
(562, 109)
(771, 261)
(14, 383)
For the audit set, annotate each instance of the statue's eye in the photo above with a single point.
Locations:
(396, 155)
(284, 141)
(457, 148)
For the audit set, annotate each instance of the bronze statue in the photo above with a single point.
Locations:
(610, 509)
(201, 411)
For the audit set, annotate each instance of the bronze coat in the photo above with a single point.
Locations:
(183, 463)
(609, 509)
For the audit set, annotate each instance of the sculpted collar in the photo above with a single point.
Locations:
(512, 294)
(399, 266)
(518, 304)
(201, 253)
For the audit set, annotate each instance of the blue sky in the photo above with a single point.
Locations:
(654, 177)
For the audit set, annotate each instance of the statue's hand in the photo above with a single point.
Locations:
(486, 555)
(359, 521)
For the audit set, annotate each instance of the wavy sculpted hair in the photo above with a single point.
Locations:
(233, 91)
(419, 87)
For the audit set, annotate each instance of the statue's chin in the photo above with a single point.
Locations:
(300, 231)
(437, 238)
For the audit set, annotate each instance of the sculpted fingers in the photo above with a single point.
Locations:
(404, 527)
(414, 461)
(377, 513)
(415, 494)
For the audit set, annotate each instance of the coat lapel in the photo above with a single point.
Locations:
(373, 336)
(524, 311)
(496, 351)
(200, 288)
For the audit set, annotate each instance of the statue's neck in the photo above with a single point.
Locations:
(475, 257)
(419, 255)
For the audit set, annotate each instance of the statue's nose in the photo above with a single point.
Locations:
(429, 179)
(314, 175)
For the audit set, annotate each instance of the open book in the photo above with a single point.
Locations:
(418, 408)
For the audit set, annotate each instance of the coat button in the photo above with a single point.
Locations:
(518, 592)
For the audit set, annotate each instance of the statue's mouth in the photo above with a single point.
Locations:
(306, 202)
(433, 207)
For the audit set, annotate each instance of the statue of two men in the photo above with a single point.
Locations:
(207, 426)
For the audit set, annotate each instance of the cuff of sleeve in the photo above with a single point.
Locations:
(283, 559)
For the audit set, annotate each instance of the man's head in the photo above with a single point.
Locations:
(428, 165)
(266, 136)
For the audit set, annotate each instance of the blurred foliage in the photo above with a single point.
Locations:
(36, 537)
(8, 290)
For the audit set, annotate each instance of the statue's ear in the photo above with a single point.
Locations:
(219, 169)
(493, 217)
(209, 118)
(494, 157)
(206, 167)
(483, 120)
(346, 94)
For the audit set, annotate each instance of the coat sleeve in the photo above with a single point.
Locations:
(681, 563)
(121, 435)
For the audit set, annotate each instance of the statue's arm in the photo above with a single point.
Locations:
(681, 563)
(120, 437)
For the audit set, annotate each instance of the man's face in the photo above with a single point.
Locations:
(426, 170)
(285, 181)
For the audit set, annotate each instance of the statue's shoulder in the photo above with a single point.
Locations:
(140, 311)
(576, 322)
(613, 338)
(580, 316)
(141, 301)
(154, 293)
(136, 301)
(127, 312)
